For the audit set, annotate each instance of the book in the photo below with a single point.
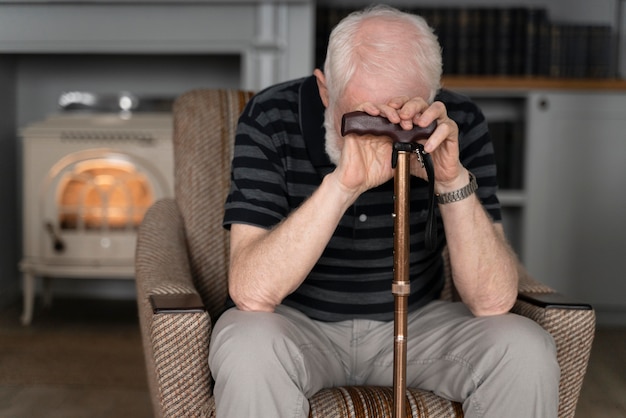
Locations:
(601, 51)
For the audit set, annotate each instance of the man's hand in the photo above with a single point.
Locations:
(365, 163)
(443, 145)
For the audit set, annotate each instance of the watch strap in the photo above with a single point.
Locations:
(460, 194)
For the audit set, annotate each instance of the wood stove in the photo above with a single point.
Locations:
(88, 180)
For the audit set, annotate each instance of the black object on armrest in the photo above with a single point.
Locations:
(552, 300)
(177, 303)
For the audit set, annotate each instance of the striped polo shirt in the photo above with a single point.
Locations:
(280, 160)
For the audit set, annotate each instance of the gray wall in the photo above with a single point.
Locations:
(42, 78)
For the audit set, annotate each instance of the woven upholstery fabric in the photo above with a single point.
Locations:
(527, 284)
(573, 331)
(183, 249)
(204, 129)
(179, 379)
(190, 378)
(375, 402)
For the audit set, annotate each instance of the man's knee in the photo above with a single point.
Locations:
(254, 359)
(245, 340)
(521, 349)
(524, 339)
(520, 371)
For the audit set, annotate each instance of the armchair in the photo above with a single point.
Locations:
(181, 270)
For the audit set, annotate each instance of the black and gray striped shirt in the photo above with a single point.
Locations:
(279, 160)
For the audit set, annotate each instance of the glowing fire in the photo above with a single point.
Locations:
(103, 194)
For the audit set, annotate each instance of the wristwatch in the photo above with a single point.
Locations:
(459, 194)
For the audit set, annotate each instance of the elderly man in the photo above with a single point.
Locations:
(310, 215)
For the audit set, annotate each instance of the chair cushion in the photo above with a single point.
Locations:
(372, 401)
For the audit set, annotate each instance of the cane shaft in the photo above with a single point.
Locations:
(401, 283)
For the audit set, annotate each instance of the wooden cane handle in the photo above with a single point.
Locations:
(361, 123)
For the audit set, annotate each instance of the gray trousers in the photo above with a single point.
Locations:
(269, 364)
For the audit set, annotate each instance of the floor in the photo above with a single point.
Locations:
(83, 359)
(604, 388)
(78, 359)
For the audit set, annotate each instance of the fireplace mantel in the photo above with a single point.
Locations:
(274, 39)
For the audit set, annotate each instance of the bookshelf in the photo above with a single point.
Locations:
(566, 218)
(509, 85)
(505, 111)
(573, 221)
(503, 100)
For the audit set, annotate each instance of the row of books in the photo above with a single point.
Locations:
(506, 41)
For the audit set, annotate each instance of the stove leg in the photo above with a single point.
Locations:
(47, 292)
(28, 290)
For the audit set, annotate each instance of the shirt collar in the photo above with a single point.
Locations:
(312, 126)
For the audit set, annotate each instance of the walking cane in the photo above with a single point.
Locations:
(405, 143)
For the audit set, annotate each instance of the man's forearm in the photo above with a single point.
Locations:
(484, 267)
(267, 265)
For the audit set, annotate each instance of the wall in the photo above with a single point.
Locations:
(41, 80)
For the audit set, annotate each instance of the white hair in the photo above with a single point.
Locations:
(398, 53)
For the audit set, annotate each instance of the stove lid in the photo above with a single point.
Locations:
(82, 101)
(76, 124)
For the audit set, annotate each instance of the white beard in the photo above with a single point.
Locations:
(333, 138)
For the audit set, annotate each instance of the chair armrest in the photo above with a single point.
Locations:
(175, 327)
(547, 300)
(161, 258)
(179, 350)
(176, 303)
(572, 325)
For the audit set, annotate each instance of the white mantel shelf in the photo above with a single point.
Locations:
(275, 39)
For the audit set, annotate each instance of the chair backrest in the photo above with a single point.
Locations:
(204, 131)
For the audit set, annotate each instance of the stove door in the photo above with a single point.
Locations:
(93, 203)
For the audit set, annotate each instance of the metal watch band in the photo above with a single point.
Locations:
(459, 194)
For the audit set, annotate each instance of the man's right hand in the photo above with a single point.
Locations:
(365, 163)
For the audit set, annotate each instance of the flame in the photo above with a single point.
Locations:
(104, 193)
